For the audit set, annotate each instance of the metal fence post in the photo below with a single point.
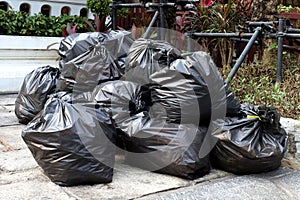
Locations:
(280, 50)
(114, 15)
(243, 55)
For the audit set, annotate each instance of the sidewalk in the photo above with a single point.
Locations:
(21, 178)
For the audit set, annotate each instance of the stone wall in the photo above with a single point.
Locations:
(293, 129)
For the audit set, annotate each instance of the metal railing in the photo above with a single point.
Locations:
(270, 30)
(279, 30)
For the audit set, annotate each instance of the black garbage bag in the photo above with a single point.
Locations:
(189, 88)
(253, 142)
(33, 94)
(121, 99)
(76, 44)
(72, 143)
(92, 68)
(146, 57)
(92, 59)
(233, 105)
(151, 142)
(166, 147)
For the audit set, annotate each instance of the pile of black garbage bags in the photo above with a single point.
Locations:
(165, 111)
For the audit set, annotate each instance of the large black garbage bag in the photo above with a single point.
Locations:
(72, 143)
(92, 59)
(253, 142)
(166, 147)
(189, 88)
(33, 94)
(151, 142)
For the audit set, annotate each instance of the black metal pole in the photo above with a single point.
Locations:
(279, 51)
(162, 20)
(244, 35)
(114, 15)
(260, 23)
(129, 5)
(286, 35)
(154, 18)
(243, 40)
(293, 30)
(223, 35)
(243, 55)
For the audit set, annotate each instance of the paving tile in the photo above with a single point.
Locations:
(11, 137)
(33, 190)
(289, 183)
(128, 182)
(18, 160)
(21, 176)
(7, 116)
(233, 188)
(7, 99)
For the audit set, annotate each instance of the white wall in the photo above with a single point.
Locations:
(19, 55)
(56, 6)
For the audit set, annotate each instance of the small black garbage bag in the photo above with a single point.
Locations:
(33, 94)
(146, 57)
(150, 141)
(72, 143)
(91, 59)
(253, 142)
(122, 99)
(76, 44)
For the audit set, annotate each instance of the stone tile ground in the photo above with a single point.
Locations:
(22, 178)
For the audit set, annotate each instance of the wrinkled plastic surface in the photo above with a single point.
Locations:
(166, 147)
(233, 104)
(88, 59)
(146, 57)
(36, 86)
(66, 141)
(173, 147)
(76, 44)
(160, 111)
(250, 144)
(183, 86)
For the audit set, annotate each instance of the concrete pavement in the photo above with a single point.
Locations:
(22, 178)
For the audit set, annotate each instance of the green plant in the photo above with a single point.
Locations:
(19, 23)
(101, 10)
(11, 22)
(256, 84)
(282, 8)
(219, 18)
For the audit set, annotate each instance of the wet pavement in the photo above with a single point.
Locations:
(22, 178)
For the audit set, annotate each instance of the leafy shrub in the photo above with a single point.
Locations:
(101, 10)
(256, 84)
(221, 17)
(19, 23)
